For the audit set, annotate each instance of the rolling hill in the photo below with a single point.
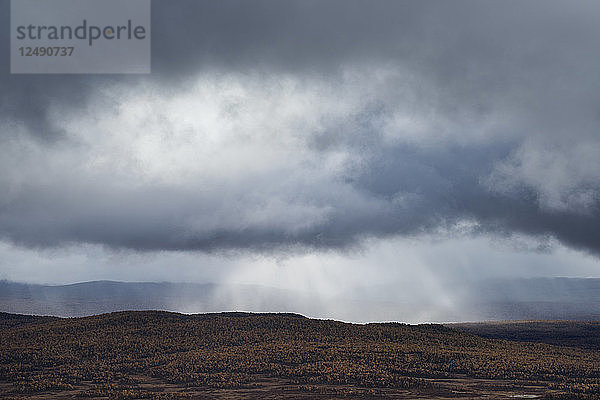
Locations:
(161, 355)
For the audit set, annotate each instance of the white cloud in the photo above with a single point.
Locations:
(565, 174)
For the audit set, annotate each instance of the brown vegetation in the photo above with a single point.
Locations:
(165, 355)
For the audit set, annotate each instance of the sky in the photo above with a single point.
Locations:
(315, 145)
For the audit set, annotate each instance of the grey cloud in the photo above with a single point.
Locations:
(490, 84)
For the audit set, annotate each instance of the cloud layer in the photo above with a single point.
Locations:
(273, 126)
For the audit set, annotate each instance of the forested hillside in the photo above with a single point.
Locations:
(167, 355)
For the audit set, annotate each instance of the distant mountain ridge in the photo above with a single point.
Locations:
(508, 299)
(97, 297)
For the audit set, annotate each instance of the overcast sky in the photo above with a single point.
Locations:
(314, 144)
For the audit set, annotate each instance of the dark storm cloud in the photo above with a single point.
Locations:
(506, 91)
